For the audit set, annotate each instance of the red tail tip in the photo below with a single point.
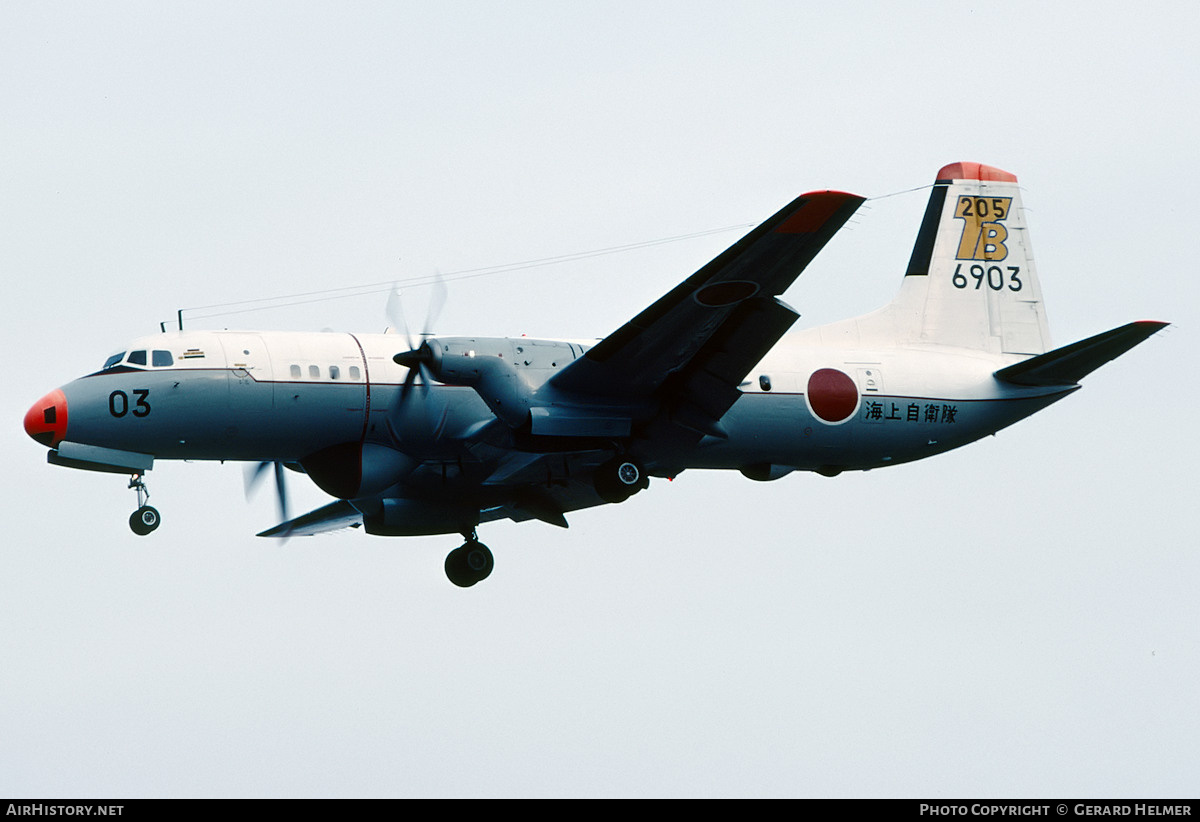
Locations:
(974, 171)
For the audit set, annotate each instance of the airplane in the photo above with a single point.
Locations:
(443, 436)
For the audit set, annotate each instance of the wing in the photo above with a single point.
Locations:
(331, 517)
(731, 297)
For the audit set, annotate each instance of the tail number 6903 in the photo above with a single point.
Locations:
(993, 276)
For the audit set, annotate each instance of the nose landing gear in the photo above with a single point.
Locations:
(146, 518)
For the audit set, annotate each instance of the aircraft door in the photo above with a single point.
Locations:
(251, 386)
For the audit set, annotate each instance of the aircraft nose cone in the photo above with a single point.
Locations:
(46, 420)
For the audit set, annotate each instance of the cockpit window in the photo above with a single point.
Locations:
(113, 360)
(137, 357)
(161, 359)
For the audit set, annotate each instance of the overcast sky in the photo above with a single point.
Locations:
(1016, 618)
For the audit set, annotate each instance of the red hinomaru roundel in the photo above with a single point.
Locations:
(832, 395)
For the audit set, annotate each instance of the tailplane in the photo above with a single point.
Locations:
(1071, 363)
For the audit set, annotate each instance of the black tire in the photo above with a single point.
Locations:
(468, 564)
(479, 560)
(619, 479)
(629, 474)
(457, 570)
(144, 520)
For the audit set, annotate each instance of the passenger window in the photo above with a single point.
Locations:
(295, 372)
(113, 360)
(137, 358)
(354, 372)
(314, 373)
(161, 359)
(334, 374)
(764, 382)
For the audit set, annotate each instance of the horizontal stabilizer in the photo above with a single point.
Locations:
(1071, 363)
(331, 517)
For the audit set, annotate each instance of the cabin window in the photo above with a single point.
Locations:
(137, 358)
(314, 373)
(295, 372)
(334, 373)
(355, 374)
(764, 382)
(113, 360)
(161, 359)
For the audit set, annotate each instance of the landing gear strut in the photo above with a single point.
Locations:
(470, 563)
(146, 518)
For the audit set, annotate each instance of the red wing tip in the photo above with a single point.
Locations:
(974, 171)
(812, 211)
(830, 193)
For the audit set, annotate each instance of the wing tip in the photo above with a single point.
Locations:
(830, 193)
(813, 212)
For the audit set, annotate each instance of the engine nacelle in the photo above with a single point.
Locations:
(488, 367)
(417, 518)
(765, 471)
(353, 469)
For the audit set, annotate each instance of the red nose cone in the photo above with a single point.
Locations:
(46, 421)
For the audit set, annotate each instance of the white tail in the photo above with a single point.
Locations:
(971, 281)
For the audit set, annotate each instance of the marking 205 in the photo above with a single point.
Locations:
(995, 277)
(984, 231)
(118, 403)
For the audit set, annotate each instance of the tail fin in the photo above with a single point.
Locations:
(971, 281)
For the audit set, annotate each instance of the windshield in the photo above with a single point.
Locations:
(113, 360)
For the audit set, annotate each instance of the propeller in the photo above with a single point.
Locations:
(418, 359)
(395, 311)
(253, 478)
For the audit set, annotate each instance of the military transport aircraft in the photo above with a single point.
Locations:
(441, 436)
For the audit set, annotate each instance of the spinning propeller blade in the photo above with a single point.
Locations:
(417, 425)
(253, 478)
(419, 356)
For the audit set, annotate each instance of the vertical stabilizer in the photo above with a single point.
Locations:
(971, 281)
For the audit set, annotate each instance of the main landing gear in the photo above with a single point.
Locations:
(470, 563)
(619, 479)
(146, 518)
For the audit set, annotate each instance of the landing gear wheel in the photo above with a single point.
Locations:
(619, 479)
(470, 563)
(144, 520)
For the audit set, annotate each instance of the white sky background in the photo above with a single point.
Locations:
(1016, 618)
